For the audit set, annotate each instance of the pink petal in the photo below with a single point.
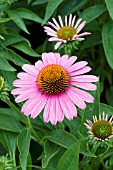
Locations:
(78, 22)
(73, 20)
(69, 62)
(53, 39)
(52, 25)
(45, 58)
(80, 71)
(25, 96)
(77, 66)
(52, 111)
(51, 58)
(30, 69)
(60, 19)
(56, 23)
(20, 82)
(48, 29)
(66, 20)
(64, 107)
(26, 76)
(76, 98)
(70, 19)
(23, 90)
(39, 65)
(86, 78)
(64, 60)
(81, 26)
(86, 86)
(57, 45)
(59, 112)
(83, 34)
(47, 111)
(83, 95)
(50, 33)
(80, 39)
(38, 107)
(57, 56)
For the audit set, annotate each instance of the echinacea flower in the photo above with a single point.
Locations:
(101, 129)
(65, 32)
(53, 84)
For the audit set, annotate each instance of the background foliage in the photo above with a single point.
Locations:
(22, 40)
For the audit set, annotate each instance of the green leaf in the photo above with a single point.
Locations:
(107, 39)
(106, 108)
(27, 14)
(38, 2)
(4, 20)
(65, 139)
(91, 41)
(109, 4)
(25, 48)
(68, 7)
(93, 12)
(50, 149)
(51, 6)
(9, 140)
(12, 56)
(23, 146)
(4, 65)
(12, 39)
(9, 123)
(70, 159)
(18, 20)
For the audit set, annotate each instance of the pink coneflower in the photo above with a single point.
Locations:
(53, 84)
(101, 129)
(69, 31)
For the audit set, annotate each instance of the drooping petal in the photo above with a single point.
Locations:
(57, 45)
(76, 98)
(86, 78)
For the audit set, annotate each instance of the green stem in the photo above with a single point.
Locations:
(61, 126)
(25, 121)
(18, 111)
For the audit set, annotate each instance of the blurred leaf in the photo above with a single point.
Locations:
(70, 159)
(4, 20)
(92, 40)
(18, 20)
(97, 100)
(29, 1)
(23, 146)
(27, 14)
(109, 95)
(50, 149)
(4, 65)
(9, 123)
(65, 139)
(51, 6)
(38, 2)
(106, 108)
(12, 56)
(9, 77)
(107, 39)
(9, 140)
(68, 7)
(25, 48)
(12, 39)
(109, 4)
(29, 162)
(93, 12)
(73, 124)
(8, 111)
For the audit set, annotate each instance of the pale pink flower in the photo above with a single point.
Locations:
(67, 31)
(53, 85)
(100, 130)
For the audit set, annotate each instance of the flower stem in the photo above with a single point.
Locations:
(25, 121)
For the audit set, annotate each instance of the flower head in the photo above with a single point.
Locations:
(4, 88)
(5, 163)
(53, 84)
(101, 129)
(65, 32)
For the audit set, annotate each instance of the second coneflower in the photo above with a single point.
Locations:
(67, 31)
